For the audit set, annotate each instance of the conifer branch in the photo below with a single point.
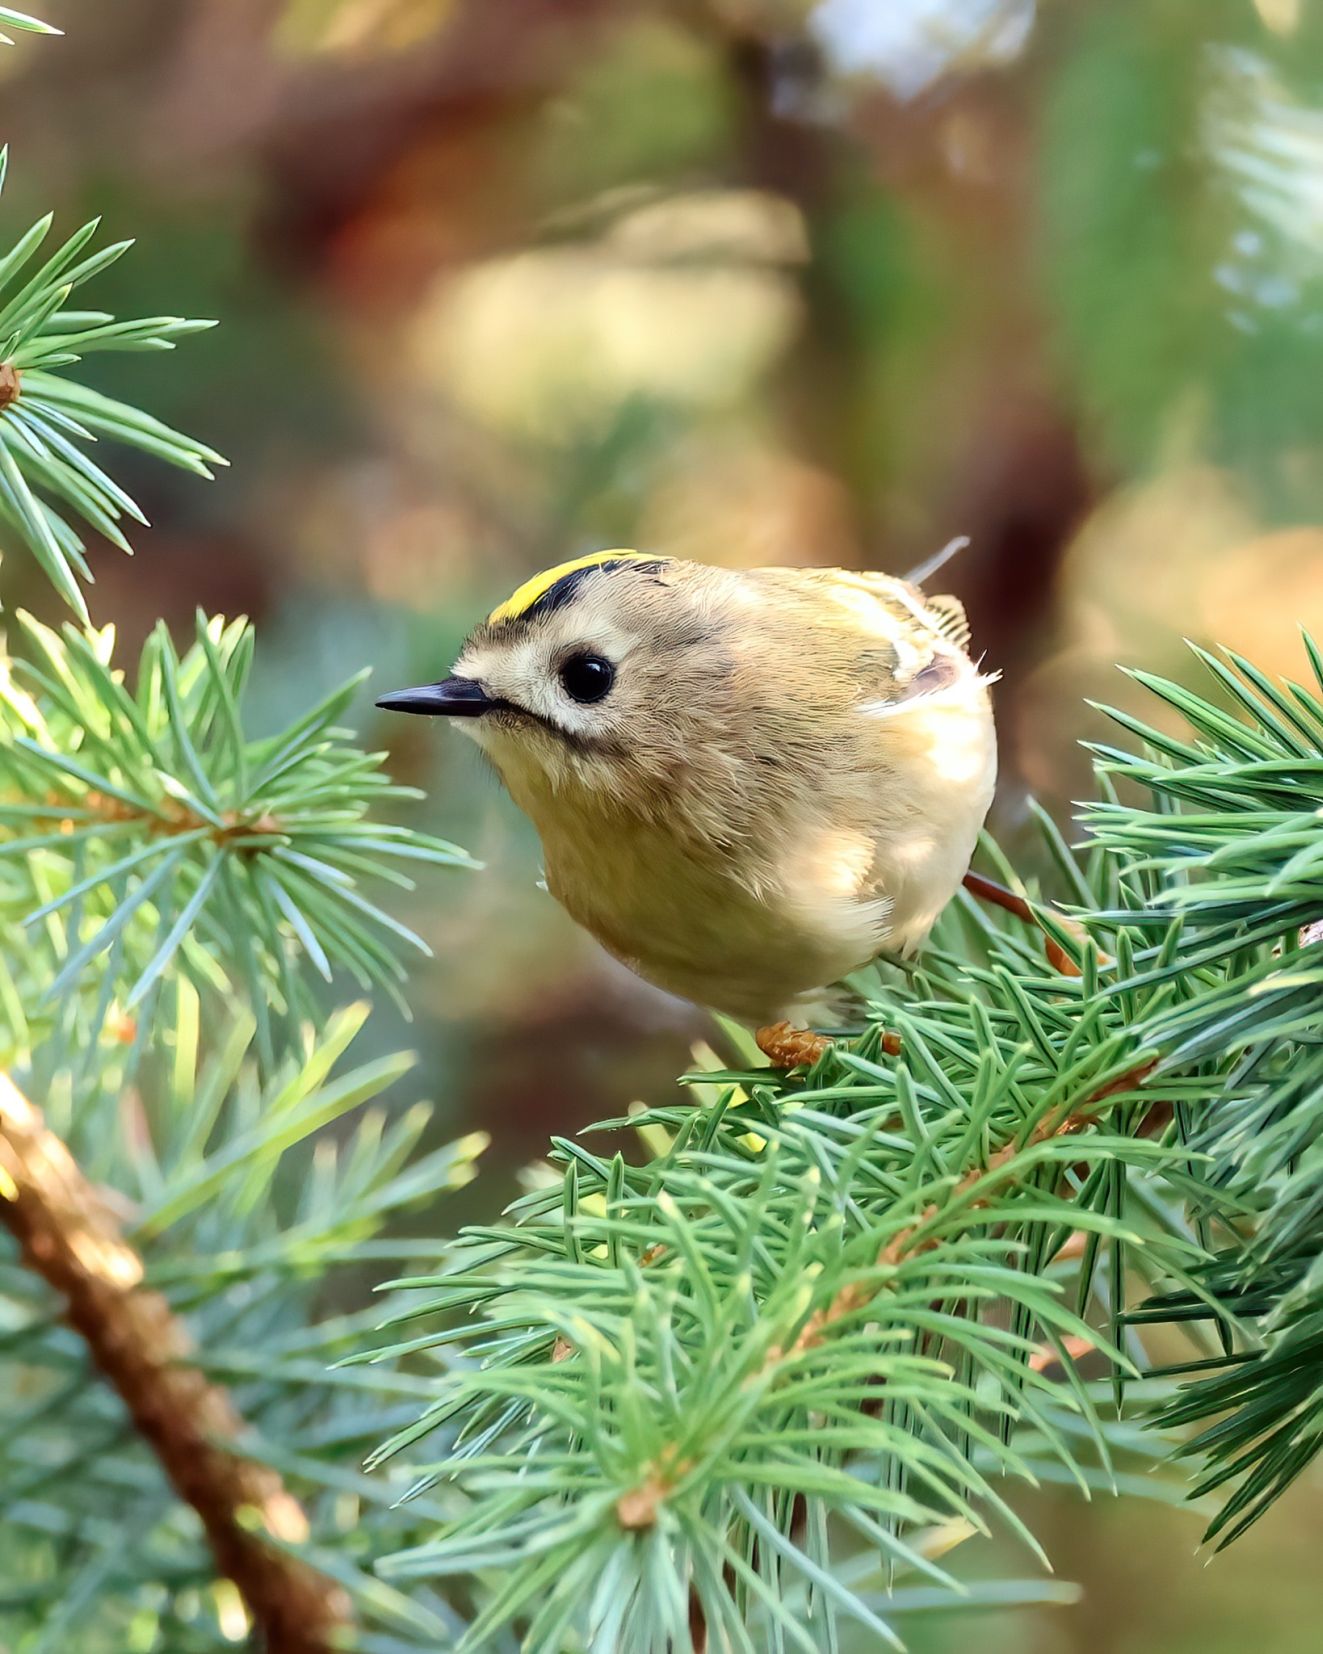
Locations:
(48, 480)
(152, 809)
(833, 1304)
(917, 1237)
(69, 1237)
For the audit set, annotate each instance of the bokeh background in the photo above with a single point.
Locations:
(503, 281)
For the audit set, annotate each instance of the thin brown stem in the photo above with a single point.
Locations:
(69, 1236)
(638, 1507)
(167, 819)
(912, 1239)
(997, 895)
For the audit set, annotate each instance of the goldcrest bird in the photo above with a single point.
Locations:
(747, 783)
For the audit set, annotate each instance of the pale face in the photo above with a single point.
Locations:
(567, 678)
(607, 679)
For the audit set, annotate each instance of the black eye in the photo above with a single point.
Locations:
(586, 678)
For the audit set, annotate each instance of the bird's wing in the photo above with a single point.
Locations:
(949, 616)
(913, 645)
(927, 704)
(942, 616)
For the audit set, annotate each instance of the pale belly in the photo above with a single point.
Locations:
(693, 929)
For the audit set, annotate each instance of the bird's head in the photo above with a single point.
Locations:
(604, 674)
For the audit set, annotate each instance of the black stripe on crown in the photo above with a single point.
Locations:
(563, 591)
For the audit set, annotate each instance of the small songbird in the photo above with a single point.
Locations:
(747, 783)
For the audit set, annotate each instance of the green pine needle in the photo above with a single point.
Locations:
(47, 421)
(11, 19)
(142, 819)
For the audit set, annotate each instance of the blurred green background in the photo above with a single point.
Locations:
(751, 281)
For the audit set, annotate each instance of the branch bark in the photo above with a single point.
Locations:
(70, 1238)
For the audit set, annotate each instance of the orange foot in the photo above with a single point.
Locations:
(786, 1046)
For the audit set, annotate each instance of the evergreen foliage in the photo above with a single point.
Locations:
(824, 1315)
(167, 885)
(150, 814)
(1235, 836)
(734, 1383)
(47, 419)
(240, 1218)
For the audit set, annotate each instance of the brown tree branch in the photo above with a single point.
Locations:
(70, 1238)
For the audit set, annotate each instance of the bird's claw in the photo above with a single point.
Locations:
(786, 1046)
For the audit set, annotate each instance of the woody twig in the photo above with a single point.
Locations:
(68, 1236)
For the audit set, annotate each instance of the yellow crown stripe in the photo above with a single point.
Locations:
(527, 595)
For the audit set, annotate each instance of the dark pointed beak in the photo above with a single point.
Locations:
(452, 697)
